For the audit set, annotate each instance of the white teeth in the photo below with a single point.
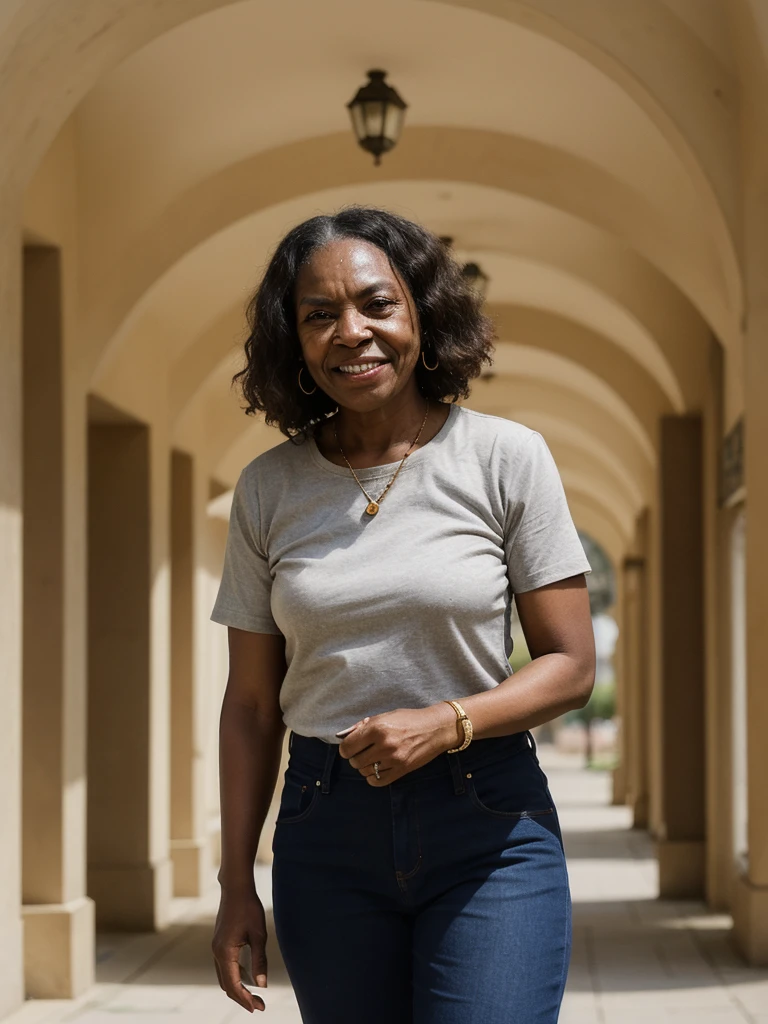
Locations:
(359, 367)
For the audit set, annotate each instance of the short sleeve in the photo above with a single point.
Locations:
(540, 539)
(244, 594)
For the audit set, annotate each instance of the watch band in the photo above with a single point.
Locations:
(462, 716)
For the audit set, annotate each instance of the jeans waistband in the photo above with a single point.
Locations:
(325, 761)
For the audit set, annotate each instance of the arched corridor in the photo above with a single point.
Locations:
(605, 164)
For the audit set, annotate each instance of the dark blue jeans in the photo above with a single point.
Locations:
(440, 899)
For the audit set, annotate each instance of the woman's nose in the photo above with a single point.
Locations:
(352, 327)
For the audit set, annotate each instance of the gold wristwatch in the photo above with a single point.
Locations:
(465, 723)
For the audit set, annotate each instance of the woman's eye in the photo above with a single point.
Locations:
(379, 304)
(318, 314)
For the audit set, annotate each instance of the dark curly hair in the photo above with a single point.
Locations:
(453, 329)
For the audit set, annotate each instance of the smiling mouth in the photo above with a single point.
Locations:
(357, 370)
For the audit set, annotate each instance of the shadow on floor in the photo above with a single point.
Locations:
(613, 843)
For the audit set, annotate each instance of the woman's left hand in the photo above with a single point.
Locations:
(399, 742)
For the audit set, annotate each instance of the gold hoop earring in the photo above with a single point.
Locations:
(301, 387)
(437, 362)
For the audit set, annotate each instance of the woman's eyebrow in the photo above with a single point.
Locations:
(322, 300)
(370, 289)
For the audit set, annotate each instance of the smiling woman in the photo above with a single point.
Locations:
(405, 282)
(419, 874)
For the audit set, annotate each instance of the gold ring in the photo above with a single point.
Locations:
(376, 765)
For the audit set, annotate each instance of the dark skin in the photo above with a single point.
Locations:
(354, 310)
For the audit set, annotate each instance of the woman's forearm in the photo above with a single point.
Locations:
(542, 690)
(249, 760)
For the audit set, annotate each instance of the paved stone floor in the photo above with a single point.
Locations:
(636, 959)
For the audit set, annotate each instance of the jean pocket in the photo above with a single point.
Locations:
(299, 797)
(511, 788)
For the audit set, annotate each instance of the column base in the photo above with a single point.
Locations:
(190, 866)
(11, 968)
(132, 898)
(682, 868)
(619, 788)
(59, 948)
(750, 921)
(640, 815)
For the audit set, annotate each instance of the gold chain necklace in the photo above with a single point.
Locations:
(373, 503)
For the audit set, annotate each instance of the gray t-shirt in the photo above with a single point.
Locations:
(411, 606)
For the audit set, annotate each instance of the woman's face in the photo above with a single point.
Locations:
(357, 325)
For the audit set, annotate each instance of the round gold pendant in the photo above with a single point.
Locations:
(372, 508)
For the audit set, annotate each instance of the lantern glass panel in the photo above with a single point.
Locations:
(356, 113)
(393, 123)
(373, 114)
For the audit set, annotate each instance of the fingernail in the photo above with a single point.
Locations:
(261, 980)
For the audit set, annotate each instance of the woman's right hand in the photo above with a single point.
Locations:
(240, 922)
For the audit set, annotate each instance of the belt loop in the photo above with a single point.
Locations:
(458, 778)
(330, 757)
(291, 734)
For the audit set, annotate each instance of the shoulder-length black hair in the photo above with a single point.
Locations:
(454, 331)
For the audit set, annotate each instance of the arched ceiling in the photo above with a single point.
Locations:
(581, 152)
(215, 78)
(663, 62)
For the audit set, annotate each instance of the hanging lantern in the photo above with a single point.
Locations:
(377, 113)
(475, 278)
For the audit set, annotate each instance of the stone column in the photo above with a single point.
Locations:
(719, 867)
(681, 834)
(11, 941)
(749, 27)
(212, 532)
(188, 846)
(129, 873)
(636, 685)
(619, 775)
(59, 920)
(750, 907)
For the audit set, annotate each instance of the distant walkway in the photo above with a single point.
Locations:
(636, 960)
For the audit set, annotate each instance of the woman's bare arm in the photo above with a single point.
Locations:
(251, 734)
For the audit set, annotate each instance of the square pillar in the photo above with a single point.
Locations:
(750, 898)
(129, 871)
(636, 687)
(189, 848)
(682, 829)
(11, 464)
(619, 778)
(59, 924)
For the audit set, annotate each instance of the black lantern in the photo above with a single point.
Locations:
(475, 278)
(377, 113)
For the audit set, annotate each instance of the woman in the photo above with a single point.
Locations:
(419, 875)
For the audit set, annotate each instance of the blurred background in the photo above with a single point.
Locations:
(600, 170)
